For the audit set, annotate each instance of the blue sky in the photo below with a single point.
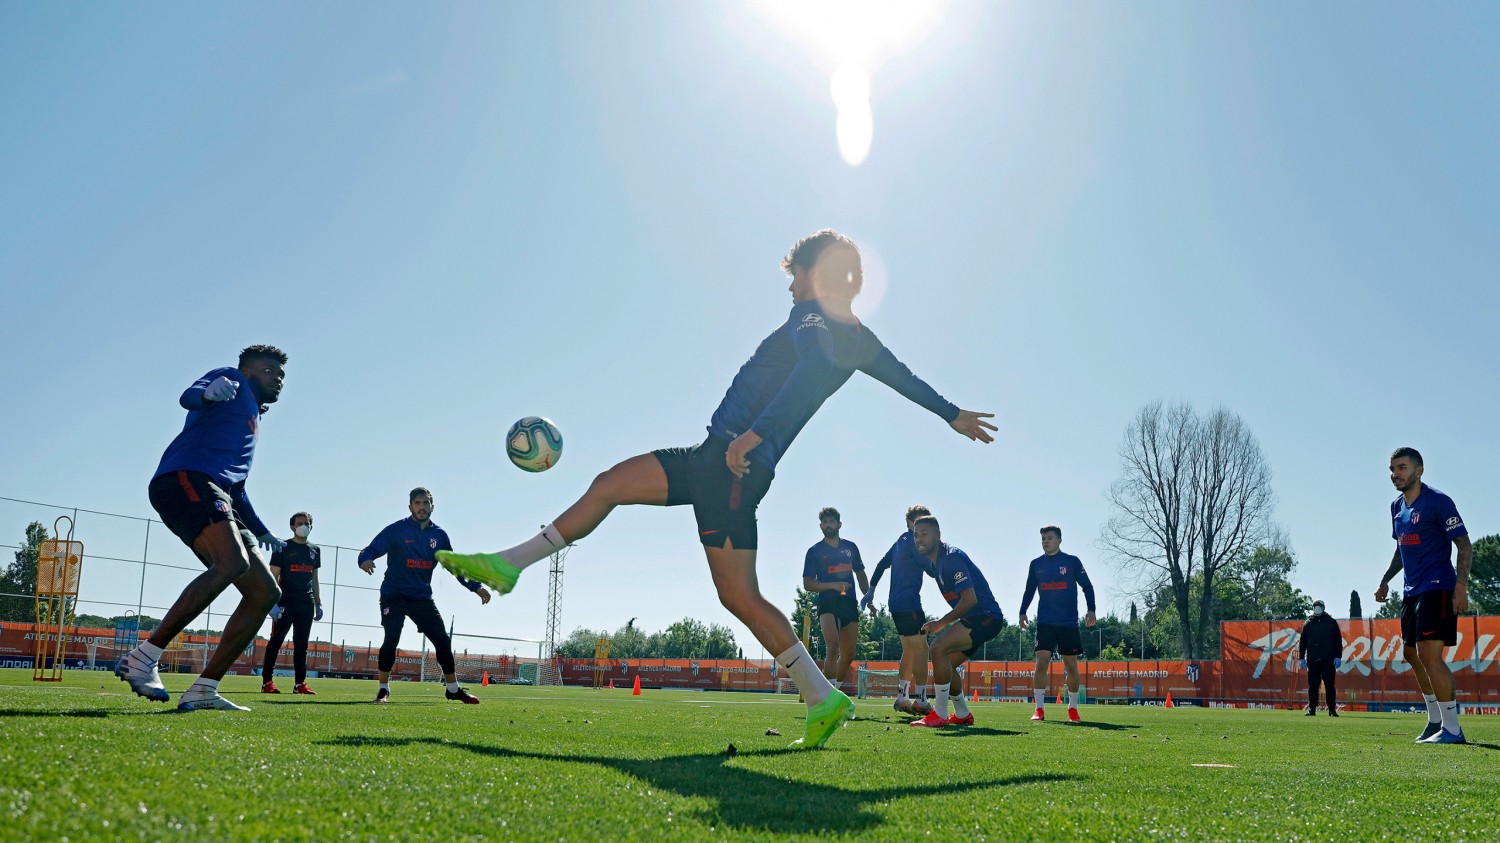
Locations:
(455, 215)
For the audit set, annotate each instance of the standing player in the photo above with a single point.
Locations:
(907, 568)
(406, 591)
(793, 371)
(296, 570)
(199, 492)
(974, 618)
(829, 571)
(1056, 577)
(1426, 527)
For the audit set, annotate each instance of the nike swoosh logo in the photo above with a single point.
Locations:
(707, 532)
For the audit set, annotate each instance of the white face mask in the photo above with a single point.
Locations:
(1317, 610)
(303, 531)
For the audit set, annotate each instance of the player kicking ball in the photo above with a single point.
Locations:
(793, 371)
(975, 618)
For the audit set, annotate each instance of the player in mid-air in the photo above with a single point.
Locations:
(973, 619)
(1056, 578)
(295, 567)
(828, 571)
(410, 546)
(907, 568)
(793, 371)
(199, 492)
(1426, 526)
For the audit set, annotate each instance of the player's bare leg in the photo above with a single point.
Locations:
(848, 643)
(1440, 685)
(953, 641)
(1424, 682)
(832, 642)
(639, 480)
(735, 579)
(1039, 683)
(1070, 671)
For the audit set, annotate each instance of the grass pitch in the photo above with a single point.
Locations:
(85, 760)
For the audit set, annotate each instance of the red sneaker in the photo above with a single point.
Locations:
(1073, 716)
(966, 720)
(269, 687)
(931, 721)
(1039, 715)
(303, 689)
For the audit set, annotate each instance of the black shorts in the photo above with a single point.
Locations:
(395, 609)
(189, 501)
(1062, 640)
(909, 623)
(843, 607)
(723, 504)
(982, 629)
(1429, 617)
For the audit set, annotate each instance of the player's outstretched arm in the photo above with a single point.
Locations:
(972, 424)
(885, 368)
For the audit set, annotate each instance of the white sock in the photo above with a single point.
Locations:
(205, 686)
(901, 690)
(1433, 716)
(960, 706)
(536, 548)
(1072, 699)
(804, 671)
(385, 686)
(940, 702)
(1449, 711)
(1041, 697)
(150, 651)
(452, 687)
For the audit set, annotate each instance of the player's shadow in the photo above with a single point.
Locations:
(743, 799)
(340, 702)
(1103, 727)
(1484, 745)
(970, 731)
(83, 712)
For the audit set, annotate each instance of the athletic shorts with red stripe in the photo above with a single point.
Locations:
(189, 501)
(724, 504)
(1429, 616)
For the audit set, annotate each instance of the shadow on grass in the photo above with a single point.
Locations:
(72, 713)
(971, 731)
(1103, 727)
(743, 799)
(1484, 745)
(344, 702)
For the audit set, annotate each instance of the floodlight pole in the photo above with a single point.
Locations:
(554, 604)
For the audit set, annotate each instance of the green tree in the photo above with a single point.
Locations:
(1391, 608)
(628, 642)
(807, 607)
(19, 577)
(1356, 611)
(720, 644)
(580, 644)
(1484, 576)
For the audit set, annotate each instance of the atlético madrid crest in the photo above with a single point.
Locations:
(349, 655)
(1192, 673)
(694, 667)
(432, 543)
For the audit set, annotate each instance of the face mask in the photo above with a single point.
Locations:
(303, 531)
(1317, 610)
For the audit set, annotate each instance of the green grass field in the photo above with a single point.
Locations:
(85, 760)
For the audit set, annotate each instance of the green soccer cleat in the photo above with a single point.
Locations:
(824, 718)
(487, 568)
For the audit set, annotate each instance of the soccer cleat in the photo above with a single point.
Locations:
(965, 720)
(1073, 716)
(210, 701)
(487, 568)
(932, 721)
(903, 706)
(383, 695)
(1039, 715)
(1428, 731)
(1311, 712)
(920, 707)
(1445, 736)
(462, 696)
(824, 718)
(269, 687)
(1333, 712)
(303, 689)
(142, 676)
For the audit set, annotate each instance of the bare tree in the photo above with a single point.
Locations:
(1193, 497)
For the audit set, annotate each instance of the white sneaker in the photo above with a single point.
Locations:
(142, 676)
(198, 700)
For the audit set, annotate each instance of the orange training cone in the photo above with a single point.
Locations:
(486, 679)
(637, 691)
(1059, 696)
(611, 684)
(976, 695)
(1169, 700)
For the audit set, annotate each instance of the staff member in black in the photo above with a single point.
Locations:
(1322, 653)
(295, 568)
(411, 547)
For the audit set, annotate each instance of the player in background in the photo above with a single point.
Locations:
(1056, 577)
(1426, 527)
(406, 591)
(295, 568)
(907, 568)
(794, 370)
(973, 619)
(829, 571)
(199, 492)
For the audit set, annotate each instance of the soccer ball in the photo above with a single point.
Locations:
(534, 444)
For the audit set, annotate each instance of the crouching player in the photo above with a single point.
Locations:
(978, 619)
